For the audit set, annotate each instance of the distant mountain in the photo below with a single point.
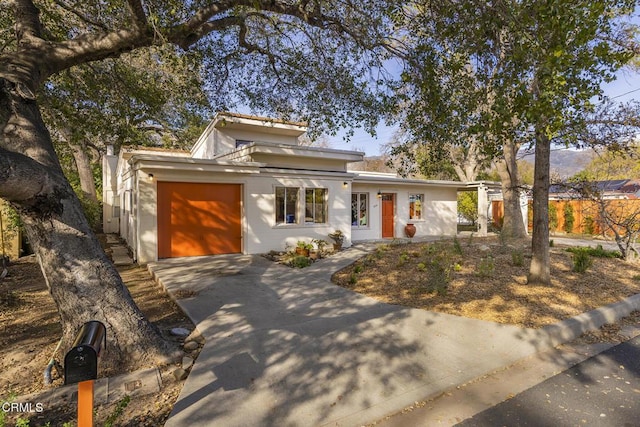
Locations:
(564, 162)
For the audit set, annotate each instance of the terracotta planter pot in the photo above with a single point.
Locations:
(410, 230)
(302, 251)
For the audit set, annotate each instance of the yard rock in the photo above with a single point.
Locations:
(187, 362)
(195, 336)
(484, 248)
(191, 345)
(180, 374)
(179, 332)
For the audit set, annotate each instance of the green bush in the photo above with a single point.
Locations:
(553, 217)
(589, 225)
(353, 278)
(517, 258)
(457, 248)
(300, 261)
(487, 267)
(581, 261)
(569, 218)
(597, 252)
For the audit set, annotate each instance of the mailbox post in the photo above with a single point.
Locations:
(81, 366)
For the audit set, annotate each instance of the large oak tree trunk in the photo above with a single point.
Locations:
(81, 279)
(540, 271)
(513, 225)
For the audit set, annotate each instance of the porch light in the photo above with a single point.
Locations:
(379, 195)
(345, 184)
(150, 177)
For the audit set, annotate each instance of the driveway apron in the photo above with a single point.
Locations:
(286, 347)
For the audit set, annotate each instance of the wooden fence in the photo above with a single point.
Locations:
(586, 216)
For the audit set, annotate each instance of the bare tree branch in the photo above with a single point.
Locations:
(82, 16)
(28, 25)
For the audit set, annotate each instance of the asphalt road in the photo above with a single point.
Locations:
(601, 391)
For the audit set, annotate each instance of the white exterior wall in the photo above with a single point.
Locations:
(439, 211)
(225, 141)
(264, 235)
(110, 201)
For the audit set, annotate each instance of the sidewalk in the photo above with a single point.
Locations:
(287, 347)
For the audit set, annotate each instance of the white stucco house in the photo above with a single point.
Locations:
(248, 186)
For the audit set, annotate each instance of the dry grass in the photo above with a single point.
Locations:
(486, 281)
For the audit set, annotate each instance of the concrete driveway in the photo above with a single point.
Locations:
(286, 347)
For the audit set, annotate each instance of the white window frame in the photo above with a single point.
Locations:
(413, 198)
(285, 212)
(359, 211)
(325, 205)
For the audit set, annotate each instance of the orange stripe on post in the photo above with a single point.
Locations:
(85, 404)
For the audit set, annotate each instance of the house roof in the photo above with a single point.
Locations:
(223, 114)
(247, 122)
(366, 177)
(273, 148)
(613, 186)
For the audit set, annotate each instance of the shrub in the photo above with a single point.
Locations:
(581, 261)
(422, 266)
(553, 217)
(589, 225)
(517, 258)
(487, 267)
(457, 248)
(358, 269)
(300, 261)
(569, 219)
(353, 279)
(597, 252)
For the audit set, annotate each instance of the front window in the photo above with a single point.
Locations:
(359, 209)
(415, 206)
(286, 205)
(315, 206)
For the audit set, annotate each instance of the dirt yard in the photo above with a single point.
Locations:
(487, 280)
(30, 330)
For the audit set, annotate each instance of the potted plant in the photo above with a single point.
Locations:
(303, 248)
(338, 239)
(320, 245)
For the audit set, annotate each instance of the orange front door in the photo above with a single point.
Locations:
(198, 219)
(387, 215)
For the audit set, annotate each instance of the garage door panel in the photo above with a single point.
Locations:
(198, 219)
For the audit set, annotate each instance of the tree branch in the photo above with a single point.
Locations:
(81, 15)
(28, 26)
(22, 178)
(139, 15)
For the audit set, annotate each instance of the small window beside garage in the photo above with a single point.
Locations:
(416, 202)
(287, 205)
(315, 206)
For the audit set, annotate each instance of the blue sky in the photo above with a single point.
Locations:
(624, 89)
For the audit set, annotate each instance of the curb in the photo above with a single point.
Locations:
(570, 329)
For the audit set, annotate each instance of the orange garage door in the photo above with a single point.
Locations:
(198, 219)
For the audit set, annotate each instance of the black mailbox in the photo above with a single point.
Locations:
(81, 362)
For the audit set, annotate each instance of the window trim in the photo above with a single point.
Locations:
(421, 200)
(296, 211)
(325, 203)
(358, 195)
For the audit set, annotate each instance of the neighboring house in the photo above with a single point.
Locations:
(246, 186)
(611, 189)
